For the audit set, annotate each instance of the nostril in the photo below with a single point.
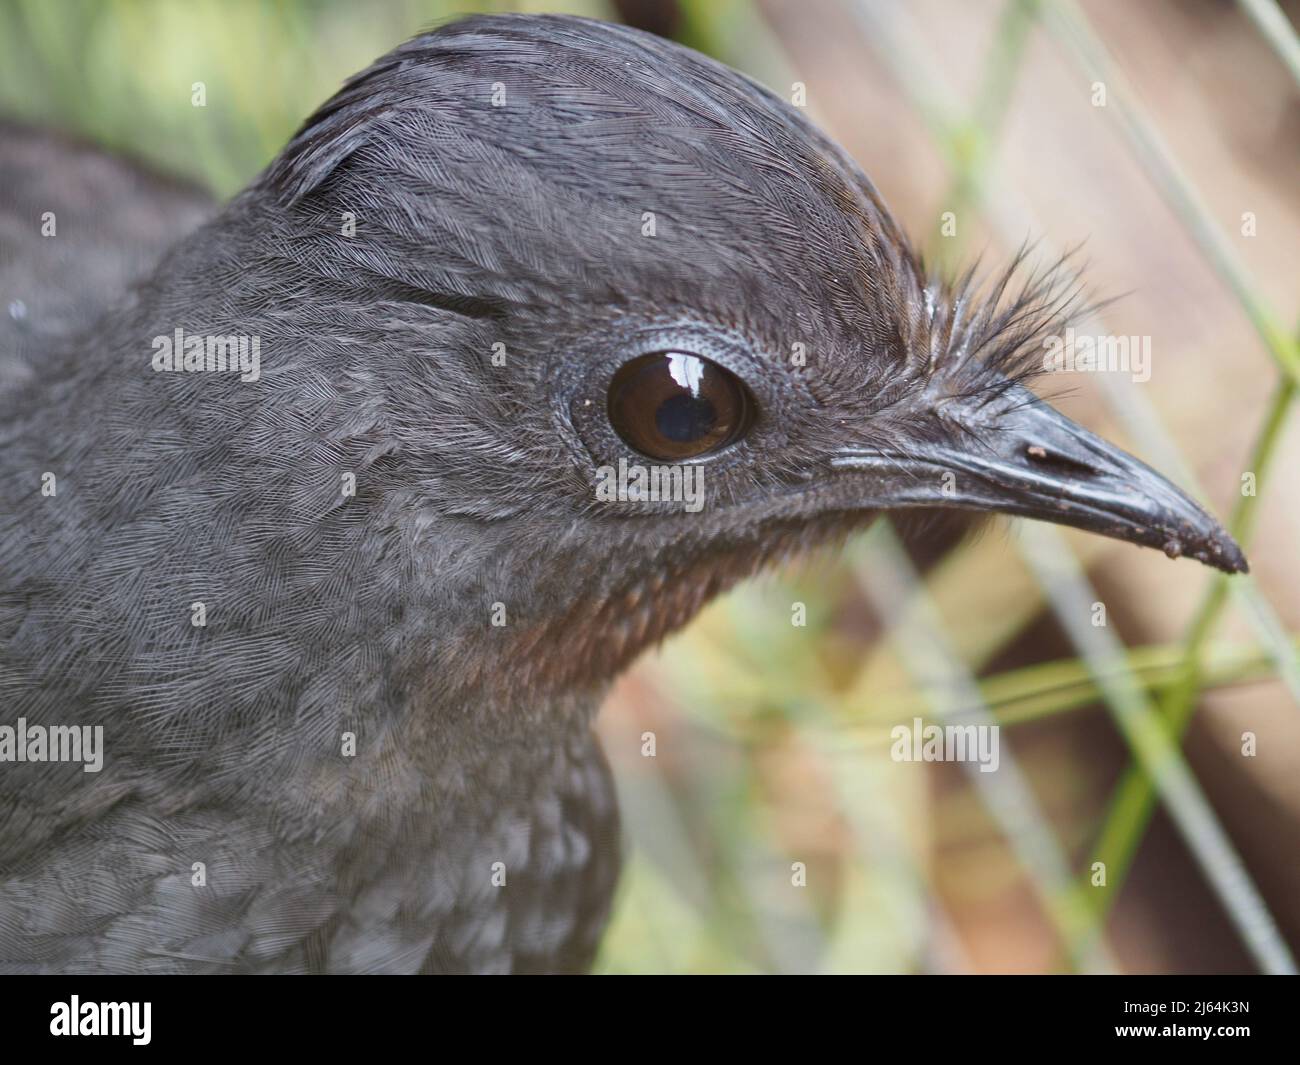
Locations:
(1053, 460)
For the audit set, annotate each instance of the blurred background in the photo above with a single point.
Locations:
(1146, 814)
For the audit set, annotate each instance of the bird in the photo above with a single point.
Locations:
(305, 513)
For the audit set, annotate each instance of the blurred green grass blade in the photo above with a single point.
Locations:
(1017, 696)
(878, 919)
(1273, 26)
(1070, 26)
(1072, 597)
(655, 930)
(976, 138)
(1143, 425)
(1032, 693)
(731, 896)
(1134, 799)
(888, 876)
(895, 591)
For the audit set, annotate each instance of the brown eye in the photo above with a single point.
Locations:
(672, 405)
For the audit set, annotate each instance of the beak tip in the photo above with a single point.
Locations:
(1233, 557)
(1218, 550)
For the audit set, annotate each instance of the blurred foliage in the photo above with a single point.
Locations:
(122, 73)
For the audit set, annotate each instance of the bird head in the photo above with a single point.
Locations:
(626, 326)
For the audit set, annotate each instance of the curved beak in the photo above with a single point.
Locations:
(1020, 456)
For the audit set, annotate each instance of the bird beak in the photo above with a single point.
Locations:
(1017, 455)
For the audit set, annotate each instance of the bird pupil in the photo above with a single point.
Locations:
(685, 418)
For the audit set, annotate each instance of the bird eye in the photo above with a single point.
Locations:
(673, 405)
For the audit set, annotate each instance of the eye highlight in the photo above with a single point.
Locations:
(673, 405)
